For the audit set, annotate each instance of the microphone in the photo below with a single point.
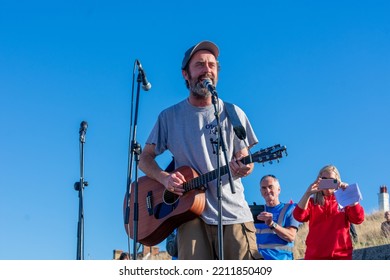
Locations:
(83, 131)
(207, 83)
(145, 84)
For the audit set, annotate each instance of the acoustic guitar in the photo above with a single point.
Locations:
(161, 211)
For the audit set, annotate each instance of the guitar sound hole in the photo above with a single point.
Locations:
(170, 198)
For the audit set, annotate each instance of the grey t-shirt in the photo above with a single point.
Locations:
(187, 132)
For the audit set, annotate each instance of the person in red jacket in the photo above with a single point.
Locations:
(328, 237)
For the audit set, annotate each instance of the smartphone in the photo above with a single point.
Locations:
(256, 210)
(328, 184)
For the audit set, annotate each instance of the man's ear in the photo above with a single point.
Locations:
(185, 74)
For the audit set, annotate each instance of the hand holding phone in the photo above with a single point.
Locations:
(328, 184)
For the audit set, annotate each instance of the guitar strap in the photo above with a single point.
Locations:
(237, 126)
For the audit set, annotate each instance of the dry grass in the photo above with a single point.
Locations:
(369, 234)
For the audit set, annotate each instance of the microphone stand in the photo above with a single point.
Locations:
(135, 151)
(79, 186)
(220, 144)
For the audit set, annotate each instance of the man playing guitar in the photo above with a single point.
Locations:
(189, 131)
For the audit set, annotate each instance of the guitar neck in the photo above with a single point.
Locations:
(203, 179)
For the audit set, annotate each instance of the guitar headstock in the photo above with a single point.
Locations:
(269, 154)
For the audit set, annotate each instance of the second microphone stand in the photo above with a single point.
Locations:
(79, 186)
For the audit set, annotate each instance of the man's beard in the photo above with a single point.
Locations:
(197, 89)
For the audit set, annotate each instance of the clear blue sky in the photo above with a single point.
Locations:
(311, 75)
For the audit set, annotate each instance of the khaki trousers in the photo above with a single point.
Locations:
(199, 241)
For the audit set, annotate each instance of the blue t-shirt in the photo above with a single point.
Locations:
(270, 245)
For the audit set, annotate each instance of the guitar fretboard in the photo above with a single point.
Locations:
(264, 155)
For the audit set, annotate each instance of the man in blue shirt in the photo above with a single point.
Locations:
(276, 231)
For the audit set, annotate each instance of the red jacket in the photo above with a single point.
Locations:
(329, 236)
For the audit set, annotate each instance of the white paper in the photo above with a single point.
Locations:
(348, 196)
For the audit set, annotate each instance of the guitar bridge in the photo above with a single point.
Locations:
(149, 203)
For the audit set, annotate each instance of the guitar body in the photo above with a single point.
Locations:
(161, 211)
